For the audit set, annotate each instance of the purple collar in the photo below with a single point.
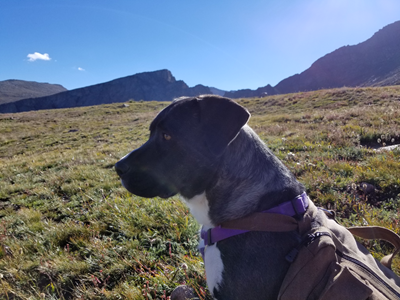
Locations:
(295, 207)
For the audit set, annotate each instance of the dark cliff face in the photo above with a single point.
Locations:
(158, 85)
(373, 62)
(14, 90)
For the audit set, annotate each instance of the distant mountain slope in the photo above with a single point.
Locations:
(216, 91)
(260, 92)
(375, 62)
(14, 90)
(157, 85)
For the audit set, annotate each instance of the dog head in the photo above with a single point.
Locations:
(186, 140)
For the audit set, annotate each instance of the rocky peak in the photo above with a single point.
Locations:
(160, 75)
(158, 85)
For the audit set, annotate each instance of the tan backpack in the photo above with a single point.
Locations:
(329, 267)
(325, 269)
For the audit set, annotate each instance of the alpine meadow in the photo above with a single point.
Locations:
(69, 230)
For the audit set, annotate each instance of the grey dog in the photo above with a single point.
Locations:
(203, 149)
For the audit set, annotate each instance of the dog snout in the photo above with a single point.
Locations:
(121, 168)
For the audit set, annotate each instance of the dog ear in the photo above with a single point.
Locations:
(221, 120)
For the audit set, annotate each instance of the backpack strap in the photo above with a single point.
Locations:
(381, 233)
(263, 222)
(288, 216)
(273, 222)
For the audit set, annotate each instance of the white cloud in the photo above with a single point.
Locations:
(81, 69)
(37, 55)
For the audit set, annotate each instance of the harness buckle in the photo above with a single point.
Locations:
(293, 201)
(209, 242)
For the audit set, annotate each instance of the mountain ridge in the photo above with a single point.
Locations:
(158, 85)
(13, 90)
(374, 62)
(365, 64)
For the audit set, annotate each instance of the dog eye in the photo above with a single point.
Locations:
(166, 136)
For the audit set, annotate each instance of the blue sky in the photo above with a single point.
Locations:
(226, 44)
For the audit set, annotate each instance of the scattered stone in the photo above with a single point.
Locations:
(388, 148)
(183, 292)
(7, 251)
(290, 156)
(367, 188)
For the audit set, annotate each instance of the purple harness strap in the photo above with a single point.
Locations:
(297, 206)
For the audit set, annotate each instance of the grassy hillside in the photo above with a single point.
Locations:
(68, 230)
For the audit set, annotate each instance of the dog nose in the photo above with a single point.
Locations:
(121, 168)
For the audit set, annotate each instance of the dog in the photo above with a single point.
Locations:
(203, 149)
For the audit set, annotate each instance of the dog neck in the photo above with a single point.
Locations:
(249, 179)
(199, 208)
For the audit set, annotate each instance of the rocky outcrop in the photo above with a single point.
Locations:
(158, 85)
(14, 90)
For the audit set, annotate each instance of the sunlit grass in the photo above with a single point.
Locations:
(69, 230)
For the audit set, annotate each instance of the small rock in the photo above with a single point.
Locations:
(388, 148)
(183, 292)
(367, 188)
(7, 250)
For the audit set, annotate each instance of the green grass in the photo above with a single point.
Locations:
(69, 230)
